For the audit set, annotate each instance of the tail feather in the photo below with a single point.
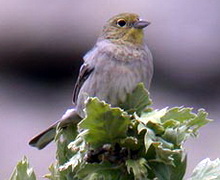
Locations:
(44, 138)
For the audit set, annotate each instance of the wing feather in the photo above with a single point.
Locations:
(84, 73)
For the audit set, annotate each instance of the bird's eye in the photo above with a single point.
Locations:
(121, 22)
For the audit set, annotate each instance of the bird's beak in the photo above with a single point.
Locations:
(141, 24)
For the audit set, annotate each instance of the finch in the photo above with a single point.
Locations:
(112, 68)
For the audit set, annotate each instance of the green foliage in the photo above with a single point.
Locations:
(104, 170)
(207, 170)
(130, 142)
(133, 141)
(137, 101)
(138, 168)
(22, 171)
(63, 138)
(105, 124)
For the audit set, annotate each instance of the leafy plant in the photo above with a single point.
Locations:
(22, 171)
(130, 142)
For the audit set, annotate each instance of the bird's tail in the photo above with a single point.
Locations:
(44, 138)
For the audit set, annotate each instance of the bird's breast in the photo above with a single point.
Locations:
(116, 73)
(112, 80)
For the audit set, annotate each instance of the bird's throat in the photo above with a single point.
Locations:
(134, 36)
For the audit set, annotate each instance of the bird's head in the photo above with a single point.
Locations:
(125, 28)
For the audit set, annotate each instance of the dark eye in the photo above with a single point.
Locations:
(121, 22)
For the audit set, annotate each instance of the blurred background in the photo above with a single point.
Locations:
(41, 48)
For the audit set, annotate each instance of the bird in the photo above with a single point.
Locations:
(119, 60)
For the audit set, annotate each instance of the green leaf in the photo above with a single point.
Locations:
(181, 123)
(78, 147)
(105, 124)
(207, 170)
(74, 162)
(54, 172)
(102, 171)
(164, 155)
(156, 127)
(161, 170)
(199, 120)
(138, 167)
(149, 135)
(180, 114)
(130, 143)
(179, 168)
(170, 123)
(149, 138)
(141, 128)
(176, 136)
(137, 101)
(175, 171)
(63, 138)
(168, 164)
(22, 171)
(153, 116)
(63, 154)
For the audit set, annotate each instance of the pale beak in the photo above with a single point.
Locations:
(141, 24)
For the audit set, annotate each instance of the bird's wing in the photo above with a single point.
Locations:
(84, 73)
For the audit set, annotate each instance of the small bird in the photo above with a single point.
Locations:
(112, 68)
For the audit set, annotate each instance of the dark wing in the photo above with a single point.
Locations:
(84, 73)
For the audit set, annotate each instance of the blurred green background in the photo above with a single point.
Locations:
(41, 48)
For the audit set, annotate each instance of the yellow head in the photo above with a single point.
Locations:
(125, 28)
